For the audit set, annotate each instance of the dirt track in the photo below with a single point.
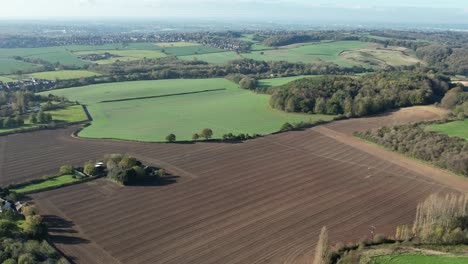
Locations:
(263, 201)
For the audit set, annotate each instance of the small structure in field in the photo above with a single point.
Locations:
(100, 168)
(6, 204)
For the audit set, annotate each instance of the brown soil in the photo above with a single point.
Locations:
(262, 201)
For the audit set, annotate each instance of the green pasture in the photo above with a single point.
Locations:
(190, 50)
(63, 74)
(308, 53)
(71, 114)
(6, 79)
(419, 259)
(124, 55)
(213, 58)
(229, 110)
(454, 128)
(176, 44)
(379, 57)
(8, 66)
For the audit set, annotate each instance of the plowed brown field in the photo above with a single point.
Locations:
(262, 201)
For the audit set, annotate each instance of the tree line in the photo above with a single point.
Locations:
(359, 96)
(439, 220)
(414, 140)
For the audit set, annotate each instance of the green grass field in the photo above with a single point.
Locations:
(454, 129)
(379, 57)
(63, 75)
(71, 114)
(309, 53)
(6, 79)
(57, 181)
(176, 44)
(419, 259)
(8, 66)
(213, 58)
(189, 50)
(224, 111)
(124, 55)
(280, 81)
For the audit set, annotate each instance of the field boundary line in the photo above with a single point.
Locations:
(164, 95)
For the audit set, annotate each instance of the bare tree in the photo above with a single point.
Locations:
(322, 254)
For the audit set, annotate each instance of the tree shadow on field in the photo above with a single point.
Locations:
(216, 141)
(57, 224)
(61, 230)
(166, 180)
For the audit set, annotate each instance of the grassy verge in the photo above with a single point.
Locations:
(47, 184)
(419, 259)
(453, 129)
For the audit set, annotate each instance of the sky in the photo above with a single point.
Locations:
(397, 11)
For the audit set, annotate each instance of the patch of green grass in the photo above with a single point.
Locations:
(74, 113)
(379, 57)
(454, 128)
(419, 259)
(308, 53)
(176, 44)
(258, 46)
(63, 75)
(124, 55)
(213, 58)
(9, 66)
(71, 114)
(6, 79)
(224, 111)
(280, 81)
(190, 50)
(57, 181)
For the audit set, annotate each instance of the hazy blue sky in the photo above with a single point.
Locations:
(449, 11)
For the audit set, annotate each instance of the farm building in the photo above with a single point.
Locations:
(6, 204)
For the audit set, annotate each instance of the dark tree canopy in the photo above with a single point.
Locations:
(359, 96)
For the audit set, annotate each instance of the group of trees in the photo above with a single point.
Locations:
(206, 133)
(442, 220)
(447, 58)
(15, 106)
(287, 39)
(241, 136)
(25, 244)
(40, 117)
(359, 96)
(11, 122)
(127, 170)
(456, 100)
(439, 149)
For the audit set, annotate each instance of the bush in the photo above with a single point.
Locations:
(379, 239)
(8, 228)
(171, 138)
(206, 133)
(89, 168)
(67, 170)
(286, 127)
(27, 258)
